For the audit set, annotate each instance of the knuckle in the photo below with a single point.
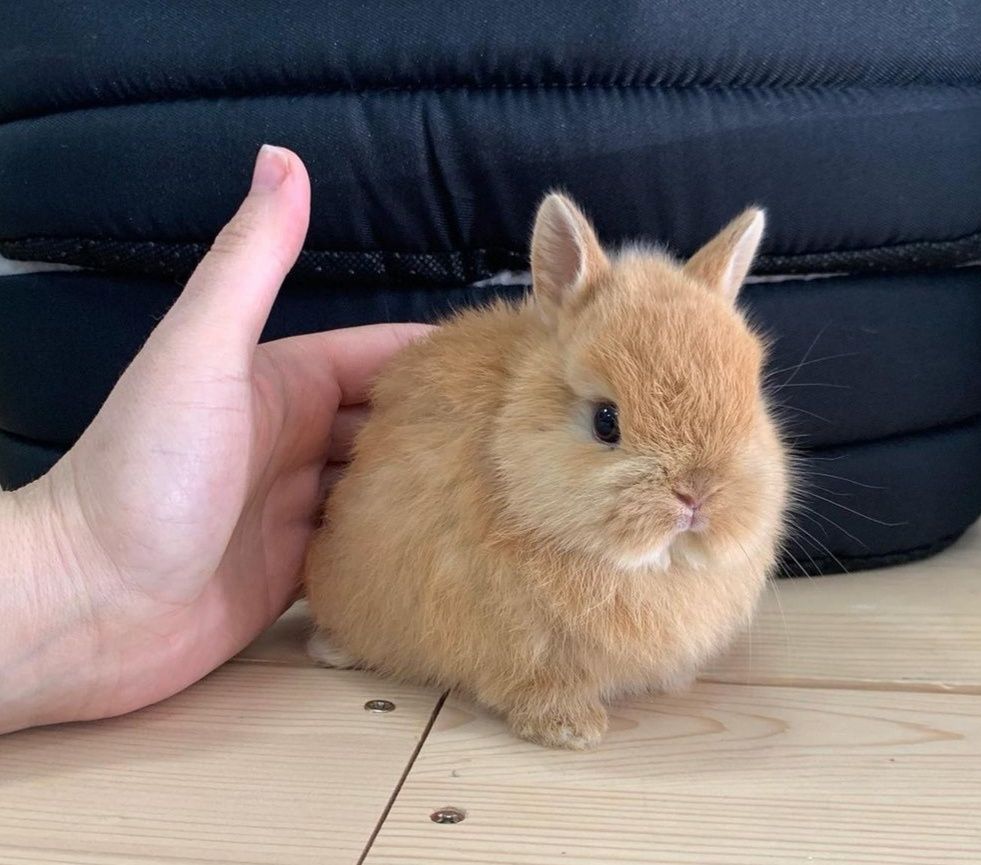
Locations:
(238, 235)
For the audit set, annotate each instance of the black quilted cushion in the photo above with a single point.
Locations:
(128, 127)
(127, 131)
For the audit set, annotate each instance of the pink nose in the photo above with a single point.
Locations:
(688, 500)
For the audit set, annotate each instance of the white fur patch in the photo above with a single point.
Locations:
(659, 559)
(324, 653)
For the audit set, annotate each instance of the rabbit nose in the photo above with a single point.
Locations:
(687, 499)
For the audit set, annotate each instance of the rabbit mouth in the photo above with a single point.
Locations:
(687, 534)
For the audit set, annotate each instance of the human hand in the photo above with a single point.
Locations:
(173, 532)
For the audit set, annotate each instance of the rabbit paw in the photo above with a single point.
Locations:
(576, 729)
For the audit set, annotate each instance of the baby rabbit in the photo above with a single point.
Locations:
(565, 500)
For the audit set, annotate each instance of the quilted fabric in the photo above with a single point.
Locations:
(127, 127)
(127, 131)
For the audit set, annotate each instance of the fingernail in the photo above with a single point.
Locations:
(271, 168)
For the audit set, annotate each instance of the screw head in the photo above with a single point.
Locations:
(448, 816)
(379, 706)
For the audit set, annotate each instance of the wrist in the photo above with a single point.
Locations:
(48, 654)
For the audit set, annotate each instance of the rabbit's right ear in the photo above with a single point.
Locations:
(724, 262)
(565, 254)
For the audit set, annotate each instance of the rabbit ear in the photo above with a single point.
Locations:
(724, 262)
(565, 253)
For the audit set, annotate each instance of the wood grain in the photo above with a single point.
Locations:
(728, 774)
(256, 764)
(844, 728)
(915, 627)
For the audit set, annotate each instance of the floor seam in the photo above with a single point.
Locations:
(845, 685)
(300, 665)
(405, 774)
(815, 684)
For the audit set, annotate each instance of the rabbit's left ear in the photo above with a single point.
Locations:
(724, 262)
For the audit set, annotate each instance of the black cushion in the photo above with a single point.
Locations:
(127, 131)
(432, 129)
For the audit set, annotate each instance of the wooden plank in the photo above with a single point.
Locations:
(916, 627)
(256, 764)
(727, 774)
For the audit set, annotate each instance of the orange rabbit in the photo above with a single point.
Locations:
(562, 501)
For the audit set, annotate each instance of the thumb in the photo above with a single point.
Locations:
(226, 302)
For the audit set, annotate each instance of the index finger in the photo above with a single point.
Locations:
(354, 356)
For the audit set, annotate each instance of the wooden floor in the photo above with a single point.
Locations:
(845, 728)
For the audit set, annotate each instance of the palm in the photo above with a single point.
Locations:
(213, 488)
(260, 559)
(214, 528)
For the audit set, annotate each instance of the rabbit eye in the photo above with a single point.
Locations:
(606, 424)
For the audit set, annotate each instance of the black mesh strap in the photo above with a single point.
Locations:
(456, 267)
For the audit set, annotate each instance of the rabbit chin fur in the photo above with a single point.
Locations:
(484, 539)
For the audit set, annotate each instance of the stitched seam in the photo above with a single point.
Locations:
(503, 87)
(934, 429)
(31, 441)
(909, 551)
